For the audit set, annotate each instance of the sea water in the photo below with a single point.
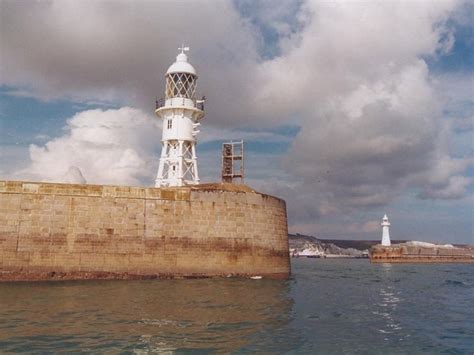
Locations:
(328, 306)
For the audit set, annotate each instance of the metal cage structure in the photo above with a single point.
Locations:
(181, 85)
(233, 162)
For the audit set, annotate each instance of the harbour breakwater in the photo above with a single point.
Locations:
(69, 231)
(421, 252)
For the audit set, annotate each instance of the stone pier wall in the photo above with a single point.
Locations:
(65, 231)
(403, 253)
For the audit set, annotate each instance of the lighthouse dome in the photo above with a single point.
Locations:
(181, 65)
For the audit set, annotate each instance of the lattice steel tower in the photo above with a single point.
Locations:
(180, 112)
(233, 161)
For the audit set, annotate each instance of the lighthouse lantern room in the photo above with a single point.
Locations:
(180, 113)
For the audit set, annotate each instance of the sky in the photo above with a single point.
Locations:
(348, 109)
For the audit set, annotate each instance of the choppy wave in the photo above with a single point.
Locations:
(328, 306)
(455, 283)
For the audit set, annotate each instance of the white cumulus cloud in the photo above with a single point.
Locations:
(114, 146)
(372, 122)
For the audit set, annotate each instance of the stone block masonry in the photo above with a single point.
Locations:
(66, 231)
(406, 253)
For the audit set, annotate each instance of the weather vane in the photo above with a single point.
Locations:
(183, 48)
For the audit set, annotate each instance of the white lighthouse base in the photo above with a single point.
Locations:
(386, 237)
(178, 164)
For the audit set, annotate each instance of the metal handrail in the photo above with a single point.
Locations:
(159, 103)
(199, 104)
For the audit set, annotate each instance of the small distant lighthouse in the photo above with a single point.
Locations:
(385, 231)
(180, 112)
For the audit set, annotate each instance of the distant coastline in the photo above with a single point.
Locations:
(312, 247)
(309, 246)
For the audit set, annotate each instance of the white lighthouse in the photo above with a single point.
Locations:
(385, 231)
(180, 112)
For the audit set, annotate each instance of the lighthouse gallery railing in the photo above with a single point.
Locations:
(199, 104)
